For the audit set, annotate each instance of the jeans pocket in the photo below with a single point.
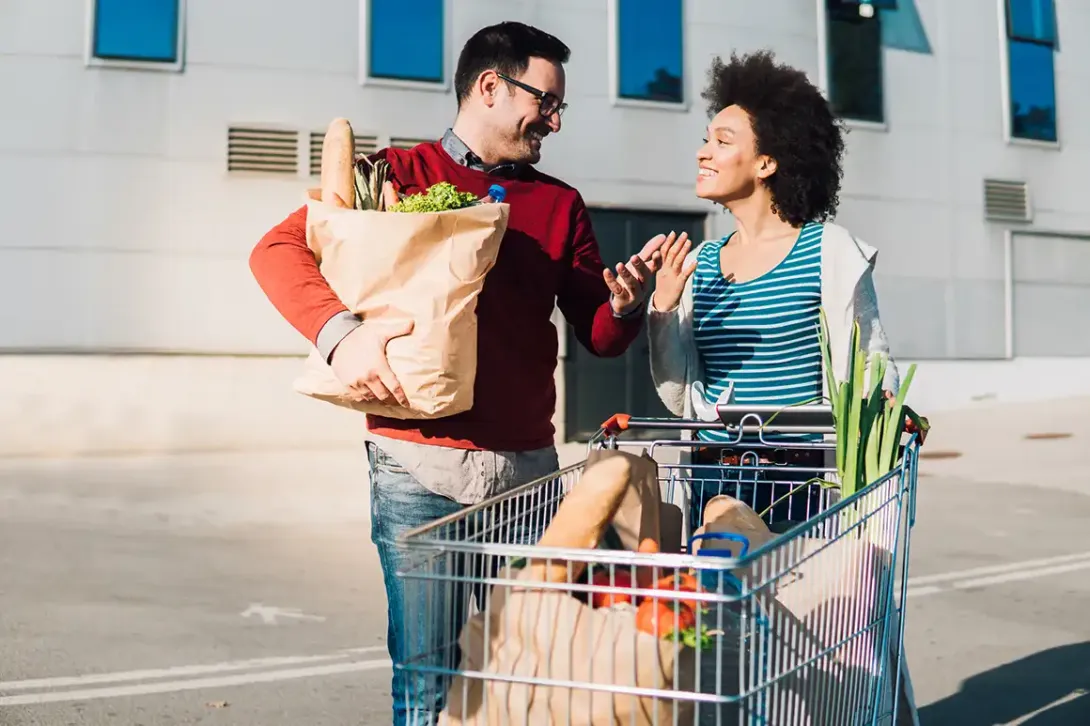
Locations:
(377, 460)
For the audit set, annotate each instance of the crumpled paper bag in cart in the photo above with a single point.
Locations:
(642, 513)
(549, 634)
(832, 599)
(819, 594)
(389, 267)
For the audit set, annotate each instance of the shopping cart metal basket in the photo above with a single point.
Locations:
(805, 628)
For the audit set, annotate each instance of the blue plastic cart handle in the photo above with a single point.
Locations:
(741, 539)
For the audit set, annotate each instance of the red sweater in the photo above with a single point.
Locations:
(548, 256)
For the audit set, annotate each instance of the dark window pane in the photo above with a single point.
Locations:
(852, 6)
(1033, 91)
(1031, 20)
(406, 41)
(650, 49)
(141, 31)
(855, 64)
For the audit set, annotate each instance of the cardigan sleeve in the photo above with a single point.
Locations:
(871, 333)
(671, 351)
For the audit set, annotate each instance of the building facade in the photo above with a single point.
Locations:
(144, 151)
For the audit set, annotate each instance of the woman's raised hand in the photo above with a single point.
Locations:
(671, 278)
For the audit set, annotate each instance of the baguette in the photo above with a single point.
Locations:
(582, 517)
(338, 167)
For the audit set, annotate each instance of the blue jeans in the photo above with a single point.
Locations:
(425, 619)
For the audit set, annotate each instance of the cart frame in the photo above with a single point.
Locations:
(460, 561)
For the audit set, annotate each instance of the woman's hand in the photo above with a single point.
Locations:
(910, 425)
(671, 278)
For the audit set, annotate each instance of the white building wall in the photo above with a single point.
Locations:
(125, 233)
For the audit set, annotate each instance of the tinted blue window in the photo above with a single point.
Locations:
(1033, 91)
(854, 56)
(1031, 20)
(141, 31)
(650, 49)
(406, 40)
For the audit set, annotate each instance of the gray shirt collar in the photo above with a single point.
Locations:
(464, 156)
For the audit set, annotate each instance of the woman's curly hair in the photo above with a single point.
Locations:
(792, 123)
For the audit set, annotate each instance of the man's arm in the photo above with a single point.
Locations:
(287, 272)
(584, 297)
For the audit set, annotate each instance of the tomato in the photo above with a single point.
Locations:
(661, 618)
(681, 582)
(621, 578)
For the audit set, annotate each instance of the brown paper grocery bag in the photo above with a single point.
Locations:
(639, 516)
(824, 596)
(550, 635)
(389, 267)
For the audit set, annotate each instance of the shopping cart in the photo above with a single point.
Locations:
(804, 628)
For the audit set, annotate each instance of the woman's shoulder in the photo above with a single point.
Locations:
(705, 247)
(838, 240)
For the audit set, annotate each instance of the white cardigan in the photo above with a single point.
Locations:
(847, 295)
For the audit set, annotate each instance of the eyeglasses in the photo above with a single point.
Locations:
(548, 103)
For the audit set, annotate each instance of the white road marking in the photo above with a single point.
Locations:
(1077, 693)
(180, 671)
(270, 613)
(997, 574)
(269, 670)
(193, 684)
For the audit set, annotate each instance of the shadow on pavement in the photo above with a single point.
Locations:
(1050, 688)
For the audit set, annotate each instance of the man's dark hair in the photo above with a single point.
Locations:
(792, 123)
(505, 48)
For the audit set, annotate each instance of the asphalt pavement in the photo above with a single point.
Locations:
(242, 589)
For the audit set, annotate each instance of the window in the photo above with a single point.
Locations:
(650, 50)
(1031, 42)
(145, 32)
(396, 51)
(854, 56)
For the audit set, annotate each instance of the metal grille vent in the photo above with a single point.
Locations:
(267, 150)
(365, 144)
(407, 143)
(1006, 201)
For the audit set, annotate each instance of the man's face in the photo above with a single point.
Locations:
(518, 125)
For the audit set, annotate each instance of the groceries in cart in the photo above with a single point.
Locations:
(648, 636)
(791, 633)
(616, 617)
(413, 266)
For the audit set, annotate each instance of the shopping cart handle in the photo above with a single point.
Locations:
(616, 423)
(741, 539)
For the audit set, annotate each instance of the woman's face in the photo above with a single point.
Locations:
(728, 165)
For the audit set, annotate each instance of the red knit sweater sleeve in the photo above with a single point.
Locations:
(584, 296)
(288, 273)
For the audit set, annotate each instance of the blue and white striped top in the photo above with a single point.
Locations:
(761, 335)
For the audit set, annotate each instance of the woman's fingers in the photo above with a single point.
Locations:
(669, 250)
(681, 254)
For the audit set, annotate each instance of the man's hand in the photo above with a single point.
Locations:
(629, 283)
(359, 362)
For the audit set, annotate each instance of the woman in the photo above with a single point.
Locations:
(740, 315)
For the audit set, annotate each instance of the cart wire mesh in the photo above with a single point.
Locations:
(807, 628)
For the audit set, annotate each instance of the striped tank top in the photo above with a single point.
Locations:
(761, 335)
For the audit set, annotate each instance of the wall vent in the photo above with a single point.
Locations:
(405, 142)
(262, 149)
(365, 144)
(1006, 201)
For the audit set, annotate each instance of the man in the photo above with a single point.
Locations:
(510, 86)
